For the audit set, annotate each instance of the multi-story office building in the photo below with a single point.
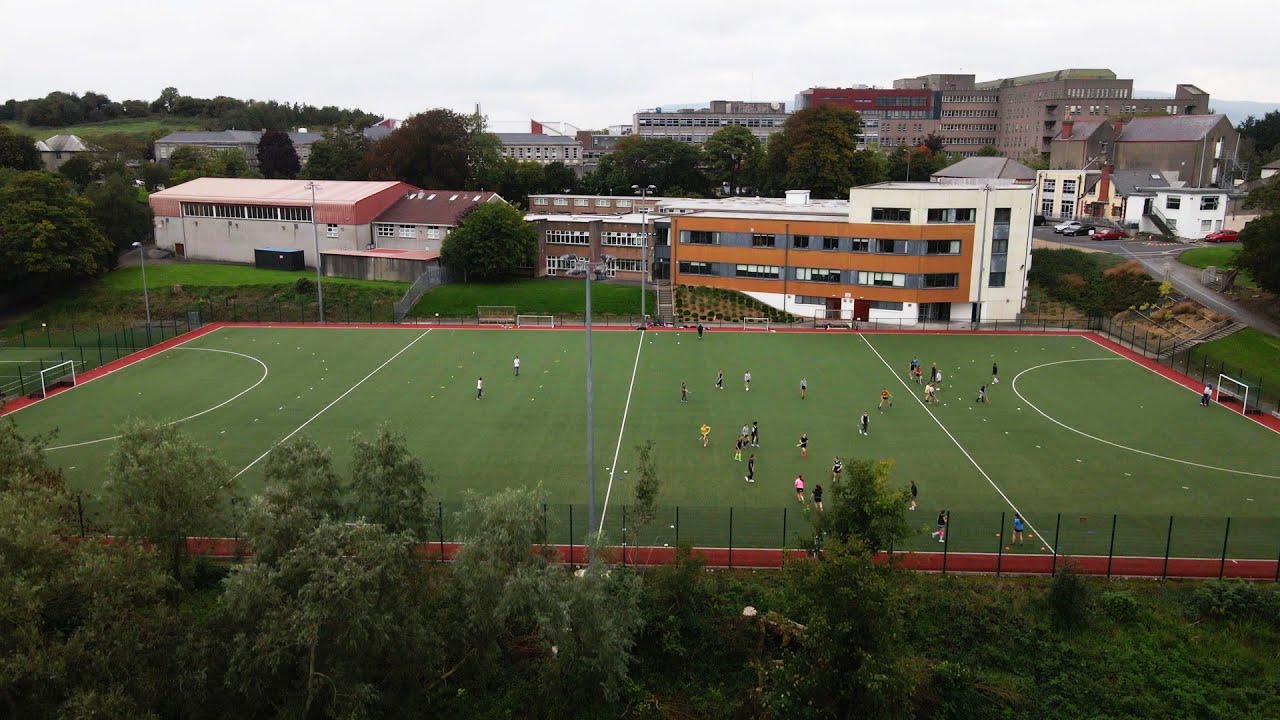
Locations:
(695, 126)
(1200, 150)
(566, 239)
(890, 116)
(542, 148)
(555, 204)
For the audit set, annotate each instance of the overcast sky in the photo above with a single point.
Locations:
(594, 63)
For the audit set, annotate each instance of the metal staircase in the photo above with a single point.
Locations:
(666, 303)
(1160, 222)
(1218, 331)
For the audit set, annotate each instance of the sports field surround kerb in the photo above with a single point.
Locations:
(1075, 437)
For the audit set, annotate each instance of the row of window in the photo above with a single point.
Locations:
(899, 101)
(830, 242)
(970, 114)
(585, 202)
(873, 304)
(569, 237)
(1096, 92)
(825, 275)
(1207, 202)
(969, 141)
(968, 98)
(1068, 186)
(709, 122)
(628, 239)
(960, 127)
(246, 212)
(558, 264)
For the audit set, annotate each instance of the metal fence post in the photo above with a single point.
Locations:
(1111, 546)
(1000, 546)
(1222, 566)
(677, 526)
(22, 382)
(946, 542)
(1168, 542)
(784, 527)
(545, 536)
(73, 337)
(731, 537)
(624, 535)
(570, 535)
(22, 330)
(1057, 531)
(80, 513)
(440, 510)
(1204, 365)
(1159, 345)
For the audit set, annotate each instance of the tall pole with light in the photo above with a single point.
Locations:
(146, 299)
(315, 238)
(586, 267)
(643, 192)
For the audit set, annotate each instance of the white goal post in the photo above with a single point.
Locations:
(829, 318)
(755, 323)
(535, 321)
(500, 314)
(1230, 390)
(54, 375)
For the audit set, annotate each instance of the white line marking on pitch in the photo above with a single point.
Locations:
(325, 408)
(625, 409)
(1014, 385)
(265, 371)
(954, 440)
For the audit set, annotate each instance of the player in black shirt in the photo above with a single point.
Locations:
(751, 468)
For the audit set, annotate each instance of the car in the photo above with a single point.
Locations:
(1107, 233)
(1063, 228)
(1222, 236)
(1078, 230)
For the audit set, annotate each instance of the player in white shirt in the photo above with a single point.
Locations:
(515, 364)
(746, 381)
(479, 388)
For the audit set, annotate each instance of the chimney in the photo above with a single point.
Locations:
(1119, 126)
(1104, 184)
(1067, 125)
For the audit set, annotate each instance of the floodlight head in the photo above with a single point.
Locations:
(137, 244)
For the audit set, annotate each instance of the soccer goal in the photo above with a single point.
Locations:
(535, 321)
(829, 318)
(755, 323)
(499, 314)
(1230, 391)
(61, 375)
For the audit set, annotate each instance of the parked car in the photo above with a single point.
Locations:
(1107, 233)
(1222, 236)
(1078, 230)
(1063, 228)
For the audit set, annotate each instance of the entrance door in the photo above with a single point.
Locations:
(976, 316)
(861, 310)
(180, 249)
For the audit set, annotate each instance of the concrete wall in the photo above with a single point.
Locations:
(222, 240)
(362, 267)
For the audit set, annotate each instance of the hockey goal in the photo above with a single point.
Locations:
(830, 318)
(1230, 392)
(755, 323)
(62, 374)
(498, 314)
(535, 321)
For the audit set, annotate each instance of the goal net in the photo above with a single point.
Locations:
(1230, 392)
(535, 321)
(501, 314)
(829, 318)
(62, 374)
(755, 323)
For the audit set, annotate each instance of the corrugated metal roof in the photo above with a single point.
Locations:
(1169, 128)
(272, 192)
(987, 167)
(434, 207)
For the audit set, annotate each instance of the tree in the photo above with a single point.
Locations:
(389, 485)
(164, 486)
(730, 152)
(154, 175)
(429, 150)
(989, 151)
(47, 237)
(79, 170)
(934, 142)
(815, 151)
(868, 166)
(673, 167)
(337, 156)
(864, 509)
(912, 164)
(557, 178)
(1260, 251)
(491, 240)
(276, 156)
(120, 214)
(484, 150)
(18, 151)
(1035, 159)
(57, 109)
(164, 103)
(190, 163)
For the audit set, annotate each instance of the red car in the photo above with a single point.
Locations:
(1223, 236)
(1107, 233)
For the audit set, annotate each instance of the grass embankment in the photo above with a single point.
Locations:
(1219, 257)
(121, 126)
(708, 304)
(1249, 353)
(543, 296)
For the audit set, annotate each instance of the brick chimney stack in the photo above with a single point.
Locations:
(1119, 126)
(1067, 125)
(1104, 184)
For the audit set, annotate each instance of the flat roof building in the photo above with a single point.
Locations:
(694, 126)
(542, 148)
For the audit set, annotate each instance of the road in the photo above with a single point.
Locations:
(1161, 260)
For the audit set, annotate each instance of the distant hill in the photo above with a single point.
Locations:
(1237, 110)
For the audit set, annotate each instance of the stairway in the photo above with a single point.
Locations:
(666, 303)
(1220, 331)
(1160, 223)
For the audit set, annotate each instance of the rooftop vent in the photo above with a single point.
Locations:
(797, 197)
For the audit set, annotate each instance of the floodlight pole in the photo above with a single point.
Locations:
(315, 238)
(591, 434)
(643, 192)
(146, 299)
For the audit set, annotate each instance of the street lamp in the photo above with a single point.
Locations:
(643, 192)
(584, 266)
(146, 299)
(315, 238)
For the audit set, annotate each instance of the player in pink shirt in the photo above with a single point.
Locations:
(800, 488)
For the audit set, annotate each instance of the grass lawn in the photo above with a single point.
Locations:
(1251, 353)
(550, 296)
(214, 275)
(142, 126)
(1218, 256)
(1072, 435)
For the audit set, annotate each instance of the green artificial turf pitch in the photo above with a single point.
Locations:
(1091, 435)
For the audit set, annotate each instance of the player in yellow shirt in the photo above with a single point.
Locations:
(705, 431)
(885, 397)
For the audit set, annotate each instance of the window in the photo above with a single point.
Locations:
(891, 215)
(581, 202)
(536, 201)
(434, 233)
(890, 246)
(408, 231)
(569, 237)
(886, 305)
(860, 245)
(1206, 226)
(562, 202)
(296, 214)
(830, 243)
(1209, 202)
(941, 280)
(622, 203)
(817, 275)
(1068, 187)
(695, 268)
(810, 300)
(999, 247)
(761, 240)
(996, 279)
(882, 279)
(1003, 216)
(758, 271)
(952, 215)
(385, 231)
(1050, 184)
(702, 237)
(943, 247)
(627, 264)
(630, 239)
(1067, 209)
(1173, 202)
(331, 230)
(1046, 207)
(800, 242)
(602, 202)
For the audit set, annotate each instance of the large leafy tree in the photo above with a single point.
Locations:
(389, 485)
(79, 169)
(815, 151)
(277, 157)
(163, 486)
(869, 166)
(303, 490)
(730, 153)
(490, 241)
(119, 212)
(914, 164)
(337, 156)
(47, 236)
(865, 509)
(190, 163)
(18, 151)
(430, 150)
(1260, 251)
(673, 167)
